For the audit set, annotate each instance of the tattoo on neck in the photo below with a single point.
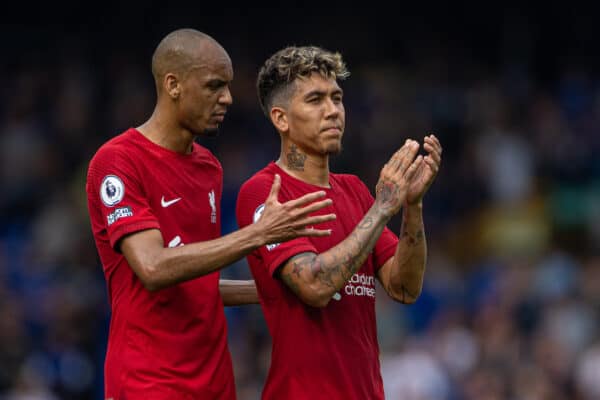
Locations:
(295, 160)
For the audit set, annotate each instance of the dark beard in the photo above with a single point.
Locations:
(212, 132)
(334, 151)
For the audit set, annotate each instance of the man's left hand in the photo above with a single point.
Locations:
(428, 170)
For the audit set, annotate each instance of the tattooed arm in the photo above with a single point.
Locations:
(402, 275)
(315, 278)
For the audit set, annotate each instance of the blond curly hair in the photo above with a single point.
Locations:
(277, 75)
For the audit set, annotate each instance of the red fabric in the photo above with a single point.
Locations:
(171, 343)
(330, 353)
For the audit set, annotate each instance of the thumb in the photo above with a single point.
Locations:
(274, 194)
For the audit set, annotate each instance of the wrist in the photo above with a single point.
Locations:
(416, 206)
(257, 237)
(381, 214)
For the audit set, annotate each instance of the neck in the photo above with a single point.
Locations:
(313, 169)
(165, 132)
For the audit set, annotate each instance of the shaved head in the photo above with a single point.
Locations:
(182, 50)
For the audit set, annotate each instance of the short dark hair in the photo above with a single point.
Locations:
(279, 72)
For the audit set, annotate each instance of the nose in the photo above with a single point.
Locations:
(332, 109)
(225, 97)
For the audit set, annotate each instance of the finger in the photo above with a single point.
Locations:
(274, 193)
(436, 143)
(307, 198)
(433, 152)
(433, 165)
(317, 219)
(433, 143)
(409, 156)
(314, 232)
(315, 206)
(410, 172)
(403, 149)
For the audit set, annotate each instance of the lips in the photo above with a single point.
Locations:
(218, 116)
(333, 129)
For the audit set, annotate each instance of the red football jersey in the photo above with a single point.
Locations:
(329, 353)
(172, 343)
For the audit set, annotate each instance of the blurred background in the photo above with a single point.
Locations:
(510, 306)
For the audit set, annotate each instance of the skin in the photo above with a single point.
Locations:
(192, 76)
(311, 125)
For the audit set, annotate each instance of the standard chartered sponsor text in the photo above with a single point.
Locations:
(360, 285)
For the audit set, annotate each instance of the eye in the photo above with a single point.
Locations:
(215, 85)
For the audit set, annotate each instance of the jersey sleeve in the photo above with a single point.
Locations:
(386, 245)
(249, 209)
(116, 192)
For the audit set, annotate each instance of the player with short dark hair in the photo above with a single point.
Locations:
(154, 203)
(318, 294)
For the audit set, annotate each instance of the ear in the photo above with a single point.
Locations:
(172, 86)
(279, 119)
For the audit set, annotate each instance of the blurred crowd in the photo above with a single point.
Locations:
(510, 306)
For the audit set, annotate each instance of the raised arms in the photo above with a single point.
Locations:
(316, 277)
(402, 275)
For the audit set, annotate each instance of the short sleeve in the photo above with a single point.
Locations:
(388, 241)
(249, 208)
(116, 196)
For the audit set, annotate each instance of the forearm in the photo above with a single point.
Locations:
(408, 265)
(237, 293)
(315, 278)
(159, 267)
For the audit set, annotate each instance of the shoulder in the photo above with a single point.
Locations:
(349, 181)
(116, 149)
(258, 182)
(207, 155)
(252, 196)
(113, 158)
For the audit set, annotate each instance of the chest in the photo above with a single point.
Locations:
(185, 198)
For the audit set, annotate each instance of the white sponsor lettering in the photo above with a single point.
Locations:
(119, 213)
(360, 285)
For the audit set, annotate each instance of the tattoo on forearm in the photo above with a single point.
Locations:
(295, 160)
(315, 267)
(290, 282)
(337, 265)
(413, 239)
(386, 192)
(297, 268)
(366, 223)
(349, 258)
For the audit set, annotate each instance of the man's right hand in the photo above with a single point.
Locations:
(395, 178)
(281, 222)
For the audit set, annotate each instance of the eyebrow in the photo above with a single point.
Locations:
(217, 82)
(322, 93)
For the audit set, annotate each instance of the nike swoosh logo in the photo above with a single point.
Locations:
(166, 204)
